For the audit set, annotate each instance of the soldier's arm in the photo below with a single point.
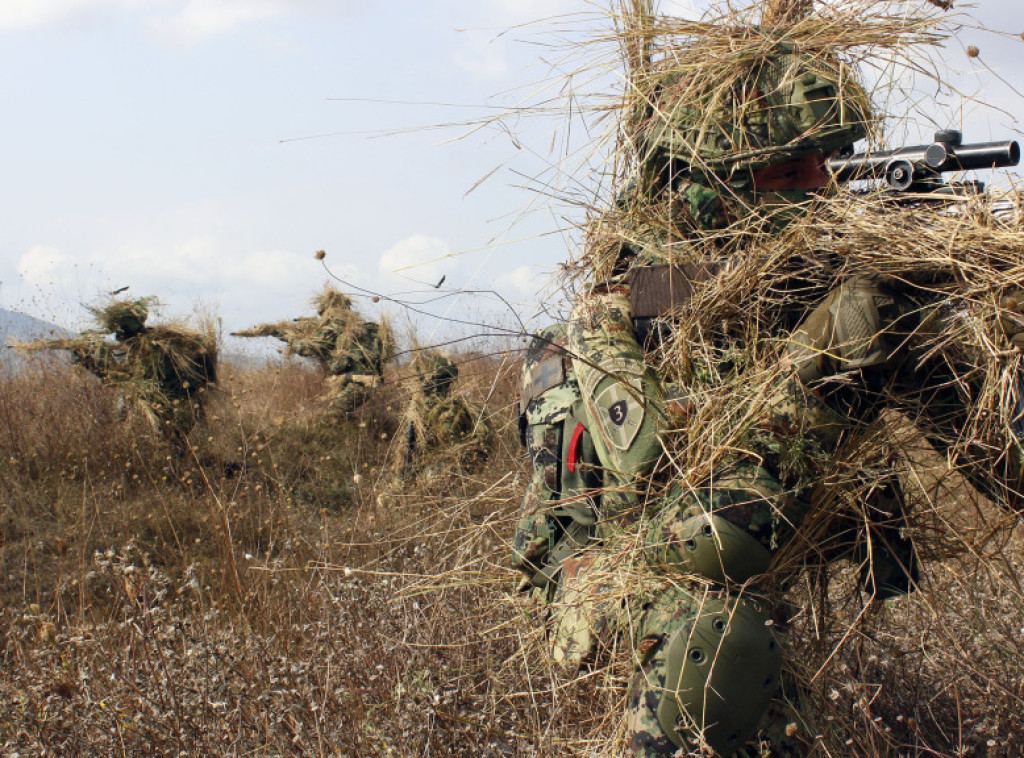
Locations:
(90, 351)
(278, 330)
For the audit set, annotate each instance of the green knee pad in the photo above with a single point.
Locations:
(715, 548)
(720, 674)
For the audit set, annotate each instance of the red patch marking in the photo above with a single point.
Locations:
(574, 447)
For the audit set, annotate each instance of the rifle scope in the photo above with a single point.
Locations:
(906, 167)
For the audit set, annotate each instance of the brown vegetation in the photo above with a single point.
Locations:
(278, 595)
(258, 599)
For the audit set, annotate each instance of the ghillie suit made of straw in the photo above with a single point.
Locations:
(443, 429)
(751, 352)
(351, 351)
(162, 372)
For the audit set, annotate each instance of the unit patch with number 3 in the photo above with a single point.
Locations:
(616, 407)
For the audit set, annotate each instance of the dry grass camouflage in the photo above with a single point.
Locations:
(275, 594)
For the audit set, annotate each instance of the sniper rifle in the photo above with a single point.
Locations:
(918, 169)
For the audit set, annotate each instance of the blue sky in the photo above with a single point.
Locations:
(171, 145)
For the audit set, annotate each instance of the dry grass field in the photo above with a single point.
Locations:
(284, 593)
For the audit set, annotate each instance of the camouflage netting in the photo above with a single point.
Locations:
(935, 673)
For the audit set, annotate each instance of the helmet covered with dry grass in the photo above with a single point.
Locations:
(437, 374)
(124, 317)
(765, 102)
(331, 300)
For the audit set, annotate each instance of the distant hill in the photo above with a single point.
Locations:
(19, 326)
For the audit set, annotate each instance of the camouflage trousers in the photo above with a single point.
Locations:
(781, 731)
(747, 496)
(592, 616)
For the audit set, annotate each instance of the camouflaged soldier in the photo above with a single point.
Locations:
(351, 351)
(162, 371)
(441, 419)
(558, 513)
(708, 661)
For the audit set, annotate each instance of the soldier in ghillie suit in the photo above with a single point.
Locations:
(160, 371)
(351, 350)
(441, 420)
(730, 368)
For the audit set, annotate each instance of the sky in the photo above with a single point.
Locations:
(203, 150)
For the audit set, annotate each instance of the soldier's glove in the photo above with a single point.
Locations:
(531, 543)
(1011, 317)
(535, 536)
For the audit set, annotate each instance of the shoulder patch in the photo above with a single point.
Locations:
(617, 407)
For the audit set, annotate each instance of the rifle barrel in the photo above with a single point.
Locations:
(983, 155)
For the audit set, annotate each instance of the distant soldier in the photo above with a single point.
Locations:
(161, 371)
(439, 419)
(350, 350)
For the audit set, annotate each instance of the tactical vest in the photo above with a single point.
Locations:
(552, 425)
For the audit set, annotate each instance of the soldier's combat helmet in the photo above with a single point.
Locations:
(331, 300)
(771, 103)
(124, 317)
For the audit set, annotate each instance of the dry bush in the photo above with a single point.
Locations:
(386, 626)
(211, 607)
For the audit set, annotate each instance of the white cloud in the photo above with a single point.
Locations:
(525, 11)
(523, 281)
(186, 20)
(416, 260)
(206, 18)
(43, 266)
(484, 59)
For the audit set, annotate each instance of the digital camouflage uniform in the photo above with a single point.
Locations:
(709, 661)
(350, 350)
